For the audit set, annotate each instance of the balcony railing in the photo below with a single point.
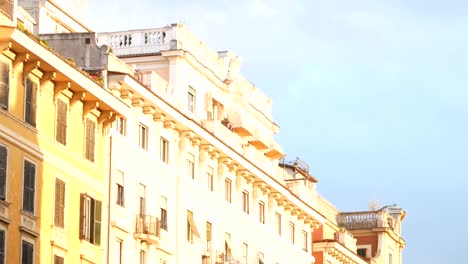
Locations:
(361, 220)
(147, 228)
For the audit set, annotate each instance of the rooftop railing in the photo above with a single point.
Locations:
(361, 220)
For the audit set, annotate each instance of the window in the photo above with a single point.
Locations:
(278, 223)
(305, 242)
(245, 252)
(208, 235)
(191, 99)
(90, 219)
(261, 212)
(210, 178)
(227, 190)
(2, 246)
(58, 260)
(143, 136)
(362, 252)
(191, 228)
(59, 210)
(227, 246)
(119, 182)
(29, 179)
(163, 213)
(191, 165)
(215, 111)
(164, 150)
(291, 232)
(3, 169)
(121, 125)
(142, 195)
(261, 258)
(390, 258)
(61, 122)
(30, 102)
(4, 85)
(90, 139)
(27, 250)
(118, 251)
(142, 257)
(245, 201)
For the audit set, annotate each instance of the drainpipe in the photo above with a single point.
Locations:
(109, 199)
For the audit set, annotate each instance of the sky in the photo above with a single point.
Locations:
(371, 94)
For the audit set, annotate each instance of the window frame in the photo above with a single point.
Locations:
(292, 233)
(191, 99)
(3, 246)
(210, 178)
(5, 86)
(29, 254)
(3, 172)
(30, 101)
(261, 212)
(228, 190)
(90, 139)
(61, 122)
(32, 189)
(143, 136)
(278, 223)
(90, 219)
(191, 165)
(305, 240)
(164, 150)
(245, 202)
(59, 206)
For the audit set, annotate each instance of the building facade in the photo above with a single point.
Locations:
(170, 160)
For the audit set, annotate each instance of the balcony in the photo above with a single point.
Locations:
(147, 229)
(361, 220)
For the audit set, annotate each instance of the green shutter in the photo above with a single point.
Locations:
(97, 222)
(3, 167)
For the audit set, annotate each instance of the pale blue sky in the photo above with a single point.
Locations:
(372, 94)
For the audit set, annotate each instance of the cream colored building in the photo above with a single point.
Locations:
(189, 171)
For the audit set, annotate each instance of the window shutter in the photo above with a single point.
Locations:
(2, 246)
(28, 186)
(97, 222)
(3, 167)
(4, 85)
(30, 102)
(61, 133)
(59, 203)
(33, 103)
(82, 215)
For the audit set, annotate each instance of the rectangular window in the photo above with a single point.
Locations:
(245, 252)
(2, 246)
(261, 212)
(292, 232)
(61, 122)
(163, 213)
(118, 251)
(27, 250)
(362, 252)
(4, 85)
(208, 235)
(390, 258)
(58, 260)
(142, 257)
(30, 102)
(245, 201)
(191, 99)
(164, 150)
(29, 181)
(90, 219)
(215, 111)
(305, 242)
(119, 181)
(227, 190)
(278, 223)
(143, 136)
(120, 125)
(227, 247)
(3, 170)
(192, 230)
(191, 165)
(59, 210)
(210, 178)
(90, 139)
(261, 258)
(142, 196)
